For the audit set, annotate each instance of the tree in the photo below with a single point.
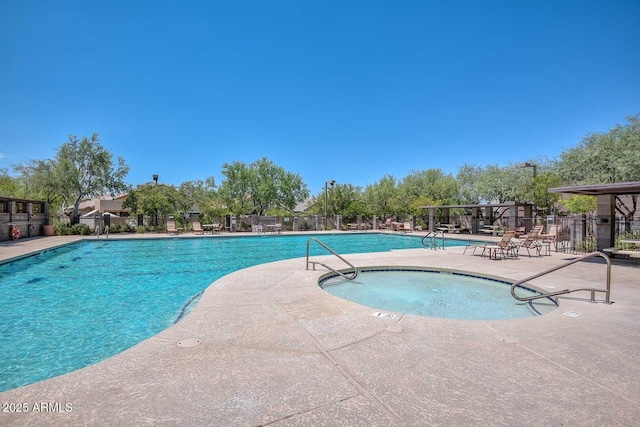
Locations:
(431, 184)
(153, 200)
(235, 189)
(467, 178)
(9, 186)
(191, 194)
(606, 158)
(83, 168)
(580, 204)
(342, 199)
(260, 186)
(41, 182)
(510, 183)
(379, 198)
(543, 199)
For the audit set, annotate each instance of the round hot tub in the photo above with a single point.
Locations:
(436, 293)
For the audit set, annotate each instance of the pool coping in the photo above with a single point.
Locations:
(265, 345)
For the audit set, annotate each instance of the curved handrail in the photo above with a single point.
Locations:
(355, 270)
(593, 291)
(433, 236)
(426, 235)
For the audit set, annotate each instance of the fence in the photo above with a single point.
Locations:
(577, 234)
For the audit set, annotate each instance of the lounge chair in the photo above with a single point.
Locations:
(530, 242)
(536, 229)
(197, 227)
(396, 226)
(171, 227)
(506, 240)
(406, 227)
(551, 235)
(475, 246)
(520, 231)
(505, 246)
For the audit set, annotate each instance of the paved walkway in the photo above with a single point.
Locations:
(266, 346)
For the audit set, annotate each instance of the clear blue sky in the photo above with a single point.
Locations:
(344, 90)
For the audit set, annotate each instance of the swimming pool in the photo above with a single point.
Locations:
(436, 293)
(68, 308)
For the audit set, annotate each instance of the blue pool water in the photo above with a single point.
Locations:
(74, 306)
(437, 293)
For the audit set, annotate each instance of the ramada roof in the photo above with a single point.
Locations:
(619, 188)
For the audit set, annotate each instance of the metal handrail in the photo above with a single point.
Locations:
(433, 236)
(593, 291)
(345, 276)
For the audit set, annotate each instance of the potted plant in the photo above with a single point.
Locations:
(48, 230)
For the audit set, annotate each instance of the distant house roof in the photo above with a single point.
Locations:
(302, 206)
(599, 189)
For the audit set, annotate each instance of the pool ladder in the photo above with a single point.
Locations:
(433, 240)
(351, 275)
(593, 291)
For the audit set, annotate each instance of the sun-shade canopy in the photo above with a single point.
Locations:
(599, 189)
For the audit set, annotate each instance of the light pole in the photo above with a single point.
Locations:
(535, 173)
(155, 179)
(326, 198)
(530, 165)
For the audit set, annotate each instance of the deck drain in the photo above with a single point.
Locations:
(506, 338)
(572, 313)
(394, 328)
(385, 315)
(189, 342)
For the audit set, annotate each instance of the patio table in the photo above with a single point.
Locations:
(493, 251)
(211, 227)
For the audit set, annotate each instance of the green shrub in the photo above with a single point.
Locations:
(122, 228)
(80, 229)
(587, 245)
(305, 226)
(625, 236)
(63, 229)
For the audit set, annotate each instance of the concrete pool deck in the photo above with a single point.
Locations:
(267, 346)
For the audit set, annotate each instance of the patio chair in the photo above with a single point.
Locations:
(406, 227)
(171, 227)
(197, 227)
